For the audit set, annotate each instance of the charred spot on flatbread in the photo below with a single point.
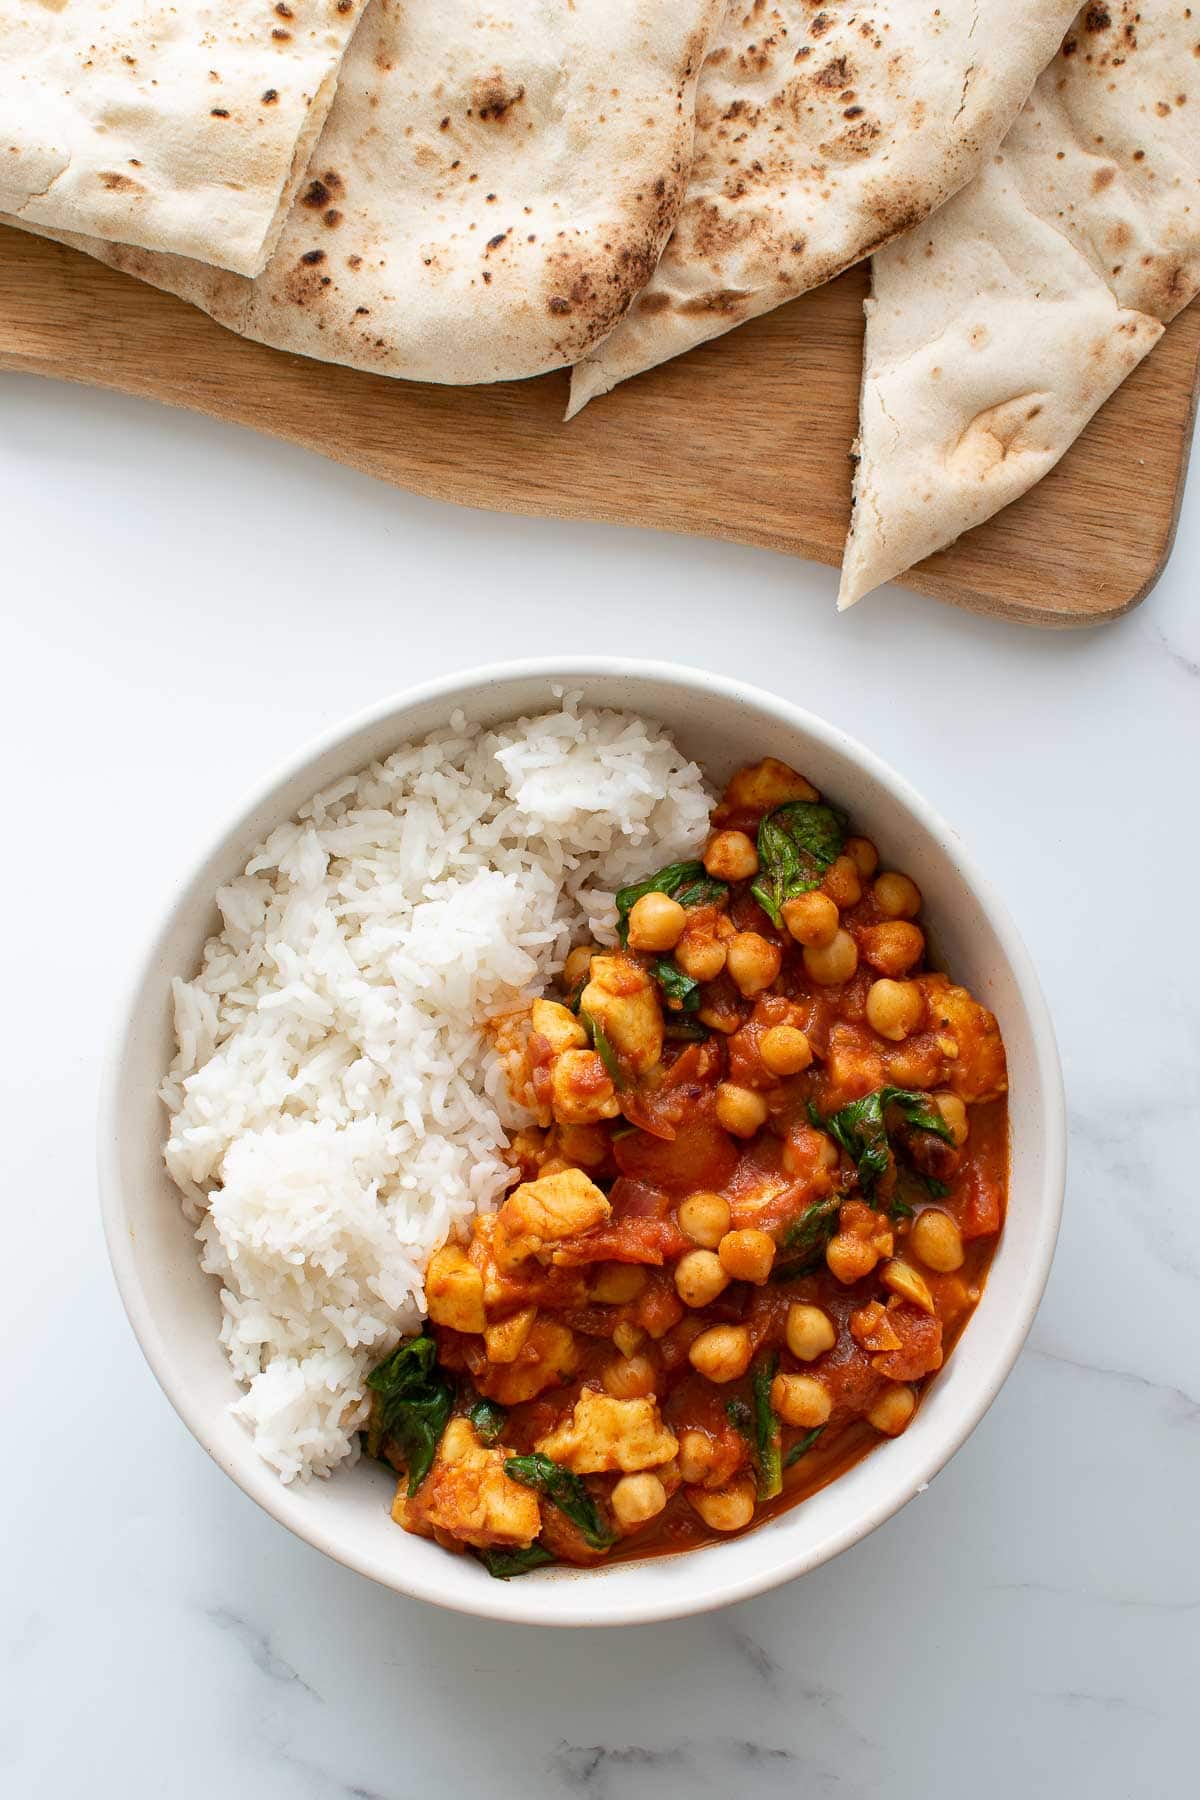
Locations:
(493, 96)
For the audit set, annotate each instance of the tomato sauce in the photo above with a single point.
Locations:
(758, 1208)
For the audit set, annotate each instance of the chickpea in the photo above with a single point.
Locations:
(636, 1498)
(723, 1017)
(747, 1255)
(954, 1113)
(696, 1457)
(629, 1377)
(897, 897)
(894, 1008)
(937, 1241)
(704, 1218)
(702, 958)
(833, 964)
(616, 1284)
(893, 1409)
(801, 1400)
(583, 1146)
(842, 882)
(740, 1110)
(893, 948)
(656, 922)
(699, 1277)
(577, 965)
(753, 962)
(731, 856)
(848, 1258)
(864, 854)
(810, 1331)
(724, 1509)
(721, 1353)
(811, 919)
(784, 1050)
(627, 1337)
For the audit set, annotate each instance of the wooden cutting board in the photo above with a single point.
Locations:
(746, 438)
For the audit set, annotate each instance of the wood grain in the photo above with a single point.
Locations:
(746, 438)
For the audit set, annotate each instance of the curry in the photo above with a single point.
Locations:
(758, 1206)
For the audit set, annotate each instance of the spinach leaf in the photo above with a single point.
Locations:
(802, 1446)
(414, 1403)
(372, 1438)
(861, 1128)
(805, 1239)
(796, 844)
(768, 1431)
(689, 1031)
(676, 985)
(708, 890)
(504, 1564)
(912, 1188)
(604, 1050)
(740, 1417)
(564, 1490)
(488, 1419)
(760, 1425)
(688, 882)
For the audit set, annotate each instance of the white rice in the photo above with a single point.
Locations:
(336, 1112)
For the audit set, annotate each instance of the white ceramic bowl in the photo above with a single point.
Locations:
(174, 1308)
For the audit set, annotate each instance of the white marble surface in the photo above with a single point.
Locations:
(179, 603)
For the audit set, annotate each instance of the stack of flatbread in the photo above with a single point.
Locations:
(445, 192)
(492, 187)
(177, 128)
(998, 329)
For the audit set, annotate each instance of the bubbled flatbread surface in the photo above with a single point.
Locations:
(492, 187)
(998, 328)
(180, 128)
(822, 131)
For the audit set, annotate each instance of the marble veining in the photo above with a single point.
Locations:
(761, 1661)
(1094, 1597)
(1185, 1407)
(1189, 664)
(1106, 1703)
(257, 1645)
(182, 604)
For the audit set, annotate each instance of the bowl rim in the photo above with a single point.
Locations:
(518, 1603)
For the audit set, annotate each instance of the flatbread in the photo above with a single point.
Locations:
(998, 329)
(820, 134)
(491, 189)
(181, 128)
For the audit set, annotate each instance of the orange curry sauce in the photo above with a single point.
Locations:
(710, 1267)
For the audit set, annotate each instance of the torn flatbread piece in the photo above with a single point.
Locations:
(821, 132)
(998, 329)
(492, 187)
(178, 128)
